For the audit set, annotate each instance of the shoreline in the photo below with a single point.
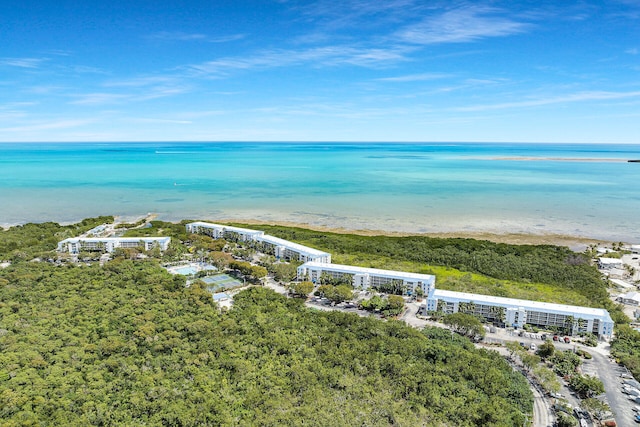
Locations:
(574, 242)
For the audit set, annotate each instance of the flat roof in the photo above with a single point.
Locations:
(610, 260)
(536, 305)
(366, 270)
(114, 239)
(226, 227)
(291, 245)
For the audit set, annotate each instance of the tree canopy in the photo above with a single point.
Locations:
(127, 344)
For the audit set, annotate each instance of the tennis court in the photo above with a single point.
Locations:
(221, 282)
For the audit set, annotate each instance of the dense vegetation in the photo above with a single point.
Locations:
(626, 348)
(128, 344)
(542, 272)
(25, 242)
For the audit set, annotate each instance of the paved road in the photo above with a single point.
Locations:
(609, 373)
(542, 414)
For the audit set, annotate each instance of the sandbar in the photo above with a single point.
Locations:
(560, 159)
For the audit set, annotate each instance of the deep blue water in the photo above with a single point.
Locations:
(400, 187)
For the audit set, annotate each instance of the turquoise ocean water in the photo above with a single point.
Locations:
(397, 187)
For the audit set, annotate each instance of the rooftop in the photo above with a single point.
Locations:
(115, 239)
(366, 270)
(543, 306)
(293, 246)
(226, 227)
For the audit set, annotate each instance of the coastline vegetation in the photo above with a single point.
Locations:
(127, 343)
(538, 272)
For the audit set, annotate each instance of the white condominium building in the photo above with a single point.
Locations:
(364, 278)
(108, 244)
(218, 231)
(280, 248)
(517, 312)
(284, 249)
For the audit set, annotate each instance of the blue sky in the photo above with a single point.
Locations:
(328, 70)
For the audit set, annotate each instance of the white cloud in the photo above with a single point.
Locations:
(461, 25)
(181, 36)
(23, 62)
(99, 98)
(59, 124)
(176, 35)
(575, 97)
(320, 56)
(415, 77)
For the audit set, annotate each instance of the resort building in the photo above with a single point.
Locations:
(513, 312)
(227, 232)
(280, 248)
(609, 263)
(517, 313)
(108, 244)
(284, 249)
(365, 278)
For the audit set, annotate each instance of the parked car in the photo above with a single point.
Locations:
(632, 383)
(636, 418)
(533, 347)
(556, 338)
(567, 340)
(581, 414)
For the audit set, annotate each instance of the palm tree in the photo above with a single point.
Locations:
(569, 322)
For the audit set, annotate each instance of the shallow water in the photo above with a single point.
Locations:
(395, 187)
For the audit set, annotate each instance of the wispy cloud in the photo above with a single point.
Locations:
(320, 56)
(181, 36)
(156, 120)
(575, 97)
(460, 25)
(176, 35)
(633, 51)
(38, 126)
(415, 77)
(103, 98)
(23, 62)
(99, 98)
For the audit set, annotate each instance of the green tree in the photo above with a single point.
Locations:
(595, 407)
(566, 420)
(529, 360)
(547, 379)
(465, 324)
(546, 349)
(395, 303)
(341, 293)
(301, 289)
(586, 385)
